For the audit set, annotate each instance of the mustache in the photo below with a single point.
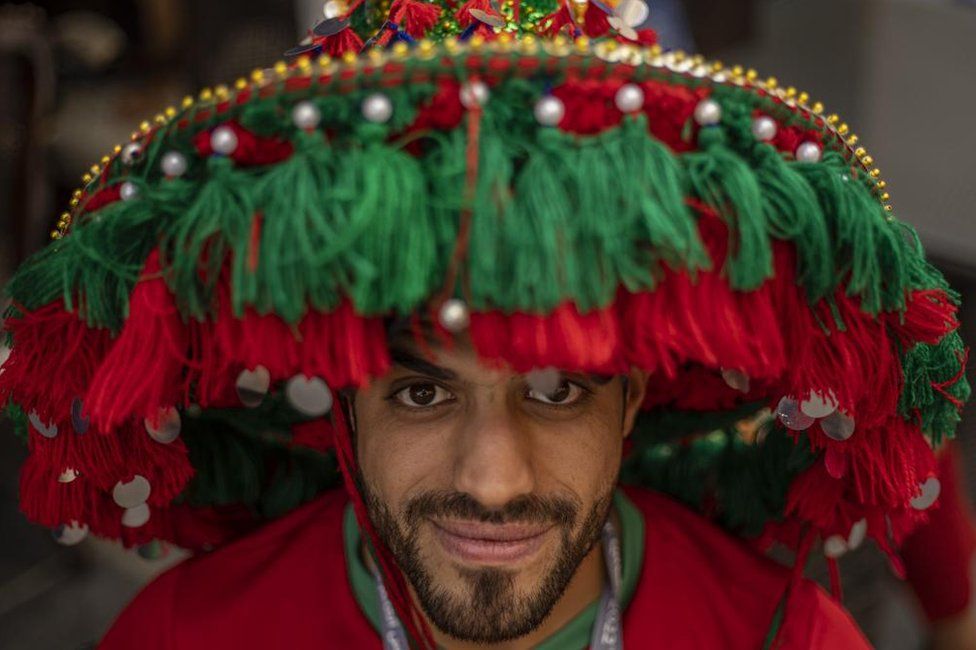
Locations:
(529, 508)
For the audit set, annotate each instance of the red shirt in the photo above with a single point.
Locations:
(285, 586)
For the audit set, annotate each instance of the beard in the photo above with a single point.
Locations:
(491, 609)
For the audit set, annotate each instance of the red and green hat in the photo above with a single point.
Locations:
(538, 176)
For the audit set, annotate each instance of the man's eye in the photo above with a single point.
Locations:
(566, 393)
(421, 395)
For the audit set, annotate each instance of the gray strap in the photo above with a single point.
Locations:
(607, 632)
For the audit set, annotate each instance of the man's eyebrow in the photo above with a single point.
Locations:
(418, 364)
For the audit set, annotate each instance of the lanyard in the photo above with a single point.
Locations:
(606, 629)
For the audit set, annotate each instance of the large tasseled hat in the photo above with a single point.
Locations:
(538, 176)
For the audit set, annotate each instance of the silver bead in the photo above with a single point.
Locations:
(835, 546)
(67, 476)
(736, 379)
(708, 112)
(173, 164)
(453, 315)
(544, 380)
(128, 191)
(252, 386)
(819, 404)
(378, 108)
(223, 140)
(309, 396)
(46, 430)
(136, 516)
(629, 98)
(859, 532)
(131, 493)
(70, 534)
(928, 494)
(764, 128)
(837, 426)
(332, 9)
(788, 412)
(809, 152)
(306, 115)
(549, 110)
(165, 427)
(131, 153)
(474, 94)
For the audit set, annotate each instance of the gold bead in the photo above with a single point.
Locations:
(240, 85)
(187, 102)
(77, 194)
(105, 161)
(875, 173)
(867, 161)
(790, 92)
(400, 50)
(426, 46)
(853, 140)
(349, 57)
(324, 61)
(117, 149)
(737, 71)
(86, 179)
(281, 68)
(803, 97)
(751, 75)
(860, 152)
(772, 83)
(144, 126)
(888, 208)
(221, 93)
(582, 44)
(135, 136)
(560, 41)
(304, 62)
(843, 129)
(656, 50)
(717, 66)
(159, 119)
(885, 196)
(817, 108)
(257, 75)
(95, 170)
(65, 216)
(882, 184)
(170, 112)
(833, 119)
(55, 234)
(74, 202)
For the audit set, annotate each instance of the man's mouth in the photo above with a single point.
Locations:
(482, 543)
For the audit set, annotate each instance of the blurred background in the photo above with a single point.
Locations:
(77, 76)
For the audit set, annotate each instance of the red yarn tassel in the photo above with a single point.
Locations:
(144, 370)
(338, 44)
(396, 585)
(415, 17)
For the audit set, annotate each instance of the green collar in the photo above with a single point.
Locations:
(572, 636)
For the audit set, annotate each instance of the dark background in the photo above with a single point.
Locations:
(77, 76)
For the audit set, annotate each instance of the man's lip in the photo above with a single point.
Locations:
(481, 543)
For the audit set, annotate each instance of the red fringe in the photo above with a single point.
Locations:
(929, 315)
(53, 357)
(102, 197)
(251, 149)
(338, 44)
(144, 370)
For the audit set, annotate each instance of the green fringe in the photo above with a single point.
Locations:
(19, 420)
(924, 365)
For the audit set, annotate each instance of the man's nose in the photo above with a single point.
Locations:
(493, 461)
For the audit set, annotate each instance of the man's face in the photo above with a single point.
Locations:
(488, 486)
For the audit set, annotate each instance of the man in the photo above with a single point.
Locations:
(474, 281)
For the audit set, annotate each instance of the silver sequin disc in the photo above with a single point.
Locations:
(309, 396)
(135, 517)
(930, 490)
(736, 379)
(46, 430)
(253, 385)
(165, 427)
(788, 412)
(544, 380)
(70, 534)
(834, 546)
(837, 426)
(859, 532)
(819, 404)
(132, 493)
(67, 476)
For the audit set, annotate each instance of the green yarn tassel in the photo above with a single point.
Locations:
(724, 182)
(925, 365)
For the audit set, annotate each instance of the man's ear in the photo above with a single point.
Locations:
(636, 387)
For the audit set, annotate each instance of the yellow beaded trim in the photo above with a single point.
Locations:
(678, 62)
